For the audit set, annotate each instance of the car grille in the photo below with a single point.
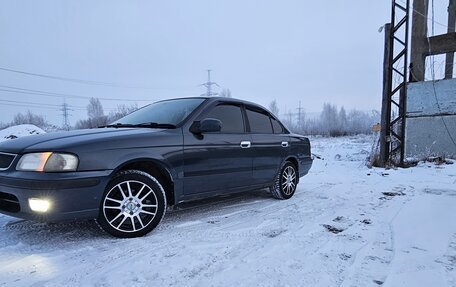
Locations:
(9, 203)
(6, 159)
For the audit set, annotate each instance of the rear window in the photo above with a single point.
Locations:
(278, 129)
(259, 122)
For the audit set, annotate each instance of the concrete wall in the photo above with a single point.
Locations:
(426, 134)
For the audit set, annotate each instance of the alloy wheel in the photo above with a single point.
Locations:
(130, 206)
(289, 180)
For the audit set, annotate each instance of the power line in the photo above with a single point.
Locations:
(65, 108)
(12, 89)
(28, 106)
(86, 82)
(425, 16)
(38, 106)
(32, 104)
(58, 77)
(41, 105)
(28, 103)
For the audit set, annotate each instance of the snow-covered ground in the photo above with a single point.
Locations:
(347, 225)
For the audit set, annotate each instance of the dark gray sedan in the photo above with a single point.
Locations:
(126, 174)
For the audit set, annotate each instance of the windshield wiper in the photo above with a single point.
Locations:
(156, 125)
(143, 125)
(117, 125)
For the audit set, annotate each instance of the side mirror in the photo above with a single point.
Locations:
(206, 126)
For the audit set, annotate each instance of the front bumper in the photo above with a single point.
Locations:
(74, 195)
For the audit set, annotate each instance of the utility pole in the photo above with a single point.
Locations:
(299, 114)
(386, 106)
(451, 29)
(209, 84)
(66, 115)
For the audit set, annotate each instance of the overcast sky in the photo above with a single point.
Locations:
(288, 50)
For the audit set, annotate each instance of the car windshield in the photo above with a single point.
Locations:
(170, 112)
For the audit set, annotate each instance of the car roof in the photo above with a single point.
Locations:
(224, 99)
(234, 100)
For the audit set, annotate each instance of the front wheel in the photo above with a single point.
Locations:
(285, 183)
(133, 204)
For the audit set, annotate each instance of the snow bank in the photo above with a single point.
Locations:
(19, 131)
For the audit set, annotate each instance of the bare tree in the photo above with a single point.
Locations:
(96, 116)
(362, 122)
(288, 121)
(274, 108)
(95, 108)
(225, 93)
(30, 118)
(83, 124)
(122, 111)
(343, 121)
(329, 120)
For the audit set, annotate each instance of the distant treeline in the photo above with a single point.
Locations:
(332, 121)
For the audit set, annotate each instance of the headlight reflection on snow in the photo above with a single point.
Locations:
(13, 268)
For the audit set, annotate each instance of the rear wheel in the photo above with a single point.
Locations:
(133, 204)
(285, 183)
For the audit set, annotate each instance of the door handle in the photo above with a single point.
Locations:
(284, 144)
(245, 144)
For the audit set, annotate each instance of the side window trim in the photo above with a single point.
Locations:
(246, 119)
(270, 121)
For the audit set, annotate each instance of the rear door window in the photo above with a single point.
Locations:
(260, 122)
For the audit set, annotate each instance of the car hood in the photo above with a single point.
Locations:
(59, 140)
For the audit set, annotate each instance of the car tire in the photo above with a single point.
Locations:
(285, 182)
(133, 204)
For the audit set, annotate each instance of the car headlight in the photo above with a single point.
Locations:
(48, 162)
